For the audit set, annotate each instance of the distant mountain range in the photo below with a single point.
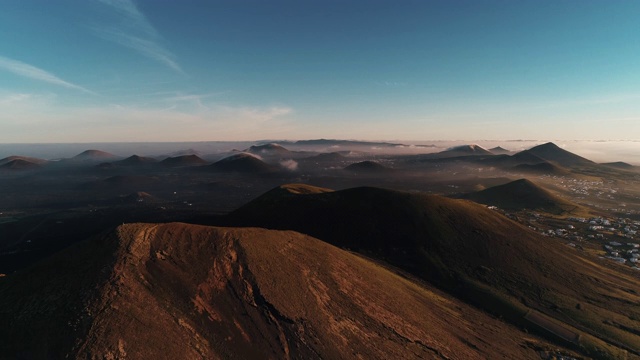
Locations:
(546, 158)
(335, 142)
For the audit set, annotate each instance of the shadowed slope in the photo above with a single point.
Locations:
(177, 291)
(552, 152)
(463, 150)
(619, 164)
(20, 164)
(368, 167)
(242, 163)
(523, 194)
(23, 158)
(525, 157)
(135, 160)
(184, 160)
(498, 150)
(472, 252)
(268, 149)
(332, 156)
(541, 168)
(94, 155)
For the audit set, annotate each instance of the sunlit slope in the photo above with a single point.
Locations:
(473, 252)
(178, 291)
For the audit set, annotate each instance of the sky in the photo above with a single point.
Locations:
(206, 70)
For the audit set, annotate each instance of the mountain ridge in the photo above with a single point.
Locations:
(177, 290)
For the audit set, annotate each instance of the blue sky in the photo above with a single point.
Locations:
(160, 70)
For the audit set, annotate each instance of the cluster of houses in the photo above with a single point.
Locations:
(584, 187)
(623, 253)
(599, 189)
(621, 227)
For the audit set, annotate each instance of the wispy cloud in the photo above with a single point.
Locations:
(148, 48)
(40, 118)
(192, 97)
(13, 98)
(197, 102)
(133, 16)
(251, 115)
(137, 33)
(32, 72)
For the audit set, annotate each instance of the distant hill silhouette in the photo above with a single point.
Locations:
(268, 149)
(242, 163)
(328, 157)
(552, 152)
(498, 150)
(368, 166)
(184, 152)
(469, 150)
(24, 158)
(459, 151)
(331, 142)
(523, 194)
(20, 164)
(184, 160)
(94, 155)
(135, 160)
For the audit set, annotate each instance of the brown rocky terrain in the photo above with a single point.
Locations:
(474, 253)
(178, 291)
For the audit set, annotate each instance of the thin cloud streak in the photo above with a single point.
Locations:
(192, 97)
(145, 47)
(59, 123)
(134, 17)
(32, 72)
(14, 98)
(137, 33)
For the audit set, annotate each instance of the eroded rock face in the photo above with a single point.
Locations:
(183, 291)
